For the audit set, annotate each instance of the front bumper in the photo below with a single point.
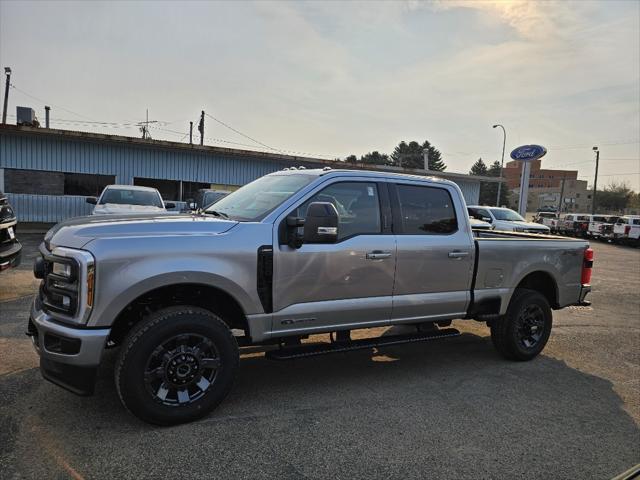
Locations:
(69, 357)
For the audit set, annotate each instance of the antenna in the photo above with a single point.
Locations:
(144, 127)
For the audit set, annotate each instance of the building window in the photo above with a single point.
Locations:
(577, 195)
(42, 182)
(86, 184)
(169, 189)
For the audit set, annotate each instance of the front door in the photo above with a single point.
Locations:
(321, 286)
(435, 253)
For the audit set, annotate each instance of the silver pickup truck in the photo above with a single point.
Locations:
(294, 253)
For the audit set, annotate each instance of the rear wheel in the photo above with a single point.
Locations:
(522, 333)
(176, 365)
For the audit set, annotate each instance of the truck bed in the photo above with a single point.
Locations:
(508, 260)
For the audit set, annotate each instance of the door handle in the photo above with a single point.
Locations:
(378, 255)
(458, 255)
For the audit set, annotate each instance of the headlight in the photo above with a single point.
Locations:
(63, 269)
(68, 289)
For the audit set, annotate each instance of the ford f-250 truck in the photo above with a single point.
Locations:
(294, 253)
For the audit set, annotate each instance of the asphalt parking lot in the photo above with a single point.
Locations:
(451, 408)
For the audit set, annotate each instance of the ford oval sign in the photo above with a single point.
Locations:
(528, 153)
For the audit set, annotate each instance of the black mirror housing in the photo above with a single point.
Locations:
(169, 205)
(91, 200)
(321, 224)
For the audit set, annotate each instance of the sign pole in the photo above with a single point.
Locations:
(524, 188)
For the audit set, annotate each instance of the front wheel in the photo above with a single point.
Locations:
(523, 331)
(176, 365)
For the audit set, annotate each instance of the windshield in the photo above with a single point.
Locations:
(131, 197)
(256, 199)
(506, 214)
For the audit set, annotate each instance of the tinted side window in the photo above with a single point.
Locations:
(426, 210)
(357, 204)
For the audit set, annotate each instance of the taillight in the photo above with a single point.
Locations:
(587, 265)
(627, 229)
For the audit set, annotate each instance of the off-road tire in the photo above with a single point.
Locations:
(505, 333)
(147, 336)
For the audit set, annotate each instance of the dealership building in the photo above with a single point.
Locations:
(47, 173)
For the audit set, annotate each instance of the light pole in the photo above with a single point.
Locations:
(595, 182)
(504, 142)
(7, 70)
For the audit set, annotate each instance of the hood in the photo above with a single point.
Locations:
(113, 208)
(77, 232)
(529, 225)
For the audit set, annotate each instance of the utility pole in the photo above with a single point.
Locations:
(7, 71)
(425, 155)
(595, 182)
(190, 133)
(504, 142)
(46, 116)
(561, 195)
(201, 128)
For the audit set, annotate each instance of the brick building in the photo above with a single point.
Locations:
(545, 186)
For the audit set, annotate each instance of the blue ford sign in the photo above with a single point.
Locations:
(528, 153)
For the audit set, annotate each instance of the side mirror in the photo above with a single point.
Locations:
(91, 200)
(321, 224)
(192, 205)
(295, 231)
(169, 205)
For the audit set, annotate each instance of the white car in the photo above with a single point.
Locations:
(480, 225)
(601, 226)
(627, 230)
(549, 219)
(122, 199)
(505, 219)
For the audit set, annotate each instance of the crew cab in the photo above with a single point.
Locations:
(292, 254)
(10, 247)
(505, 219)
(626, 230)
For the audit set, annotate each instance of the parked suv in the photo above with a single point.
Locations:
(291, 254)
(10, 247)
(505, 219)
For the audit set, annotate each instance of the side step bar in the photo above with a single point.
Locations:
(313, 349)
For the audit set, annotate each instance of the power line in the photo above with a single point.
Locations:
(239, 132)
(48, 103)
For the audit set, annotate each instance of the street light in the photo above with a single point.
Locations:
(504, 142)
(595, 182)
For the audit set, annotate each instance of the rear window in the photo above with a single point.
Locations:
(426, 210)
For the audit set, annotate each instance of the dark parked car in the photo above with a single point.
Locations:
(206, 197)
(10, 247)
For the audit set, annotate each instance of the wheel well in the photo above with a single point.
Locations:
(543, 283)
(203, 296)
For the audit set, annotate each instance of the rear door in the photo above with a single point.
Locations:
(435, 256)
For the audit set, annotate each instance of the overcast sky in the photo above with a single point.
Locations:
(333, 79)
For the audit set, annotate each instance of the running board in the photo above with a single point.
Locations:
(313, 349)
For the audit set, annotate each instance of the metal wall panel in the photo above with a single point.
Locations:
(48, 208)
(126, 161)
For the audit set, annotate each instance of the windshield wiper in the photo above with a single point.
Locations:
(217, 214)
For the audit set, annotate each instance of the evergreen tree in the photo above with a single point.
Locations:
(478, 168)
(376, 158)
(410, 155)
(351, 159)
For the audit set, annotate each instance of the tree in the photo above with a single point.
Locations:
(478, 168)
(489, 190)
(614, 198)
(351, 159)
(410, 155)
(376, 158)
